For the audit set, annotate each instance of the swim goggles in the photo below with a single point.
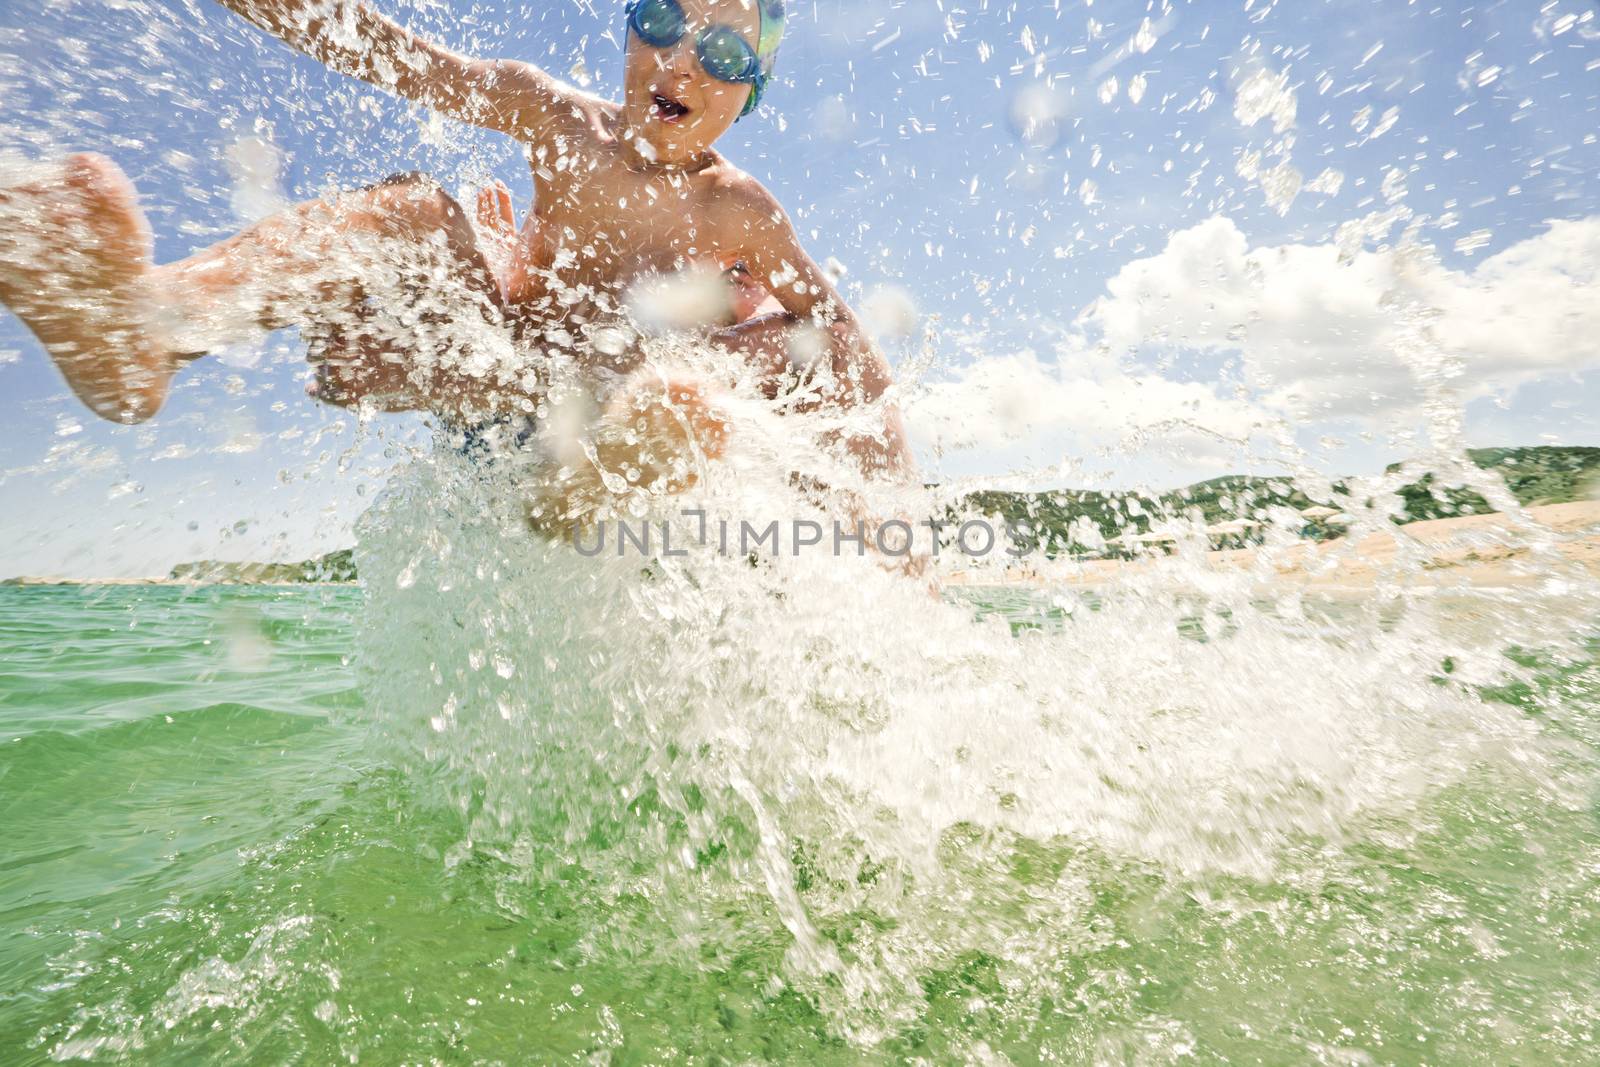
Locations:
(723, 52)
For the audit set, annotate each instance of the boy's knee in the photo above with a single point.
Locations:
(407, 179)
(419, 197)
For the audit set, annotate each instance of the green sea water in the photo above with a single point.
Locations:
(208, 853)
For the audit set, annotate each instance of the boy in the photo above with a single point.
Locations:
(405, 300)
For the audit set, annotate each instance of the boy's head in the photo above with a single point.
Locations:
(694, 67)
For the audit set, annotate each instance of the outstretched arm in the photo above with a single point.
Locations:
(854, 371)
(347, 35)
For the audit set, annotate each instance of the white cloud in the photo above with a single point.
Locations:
(1321, 336)
(1318, 331)
(1077, 404)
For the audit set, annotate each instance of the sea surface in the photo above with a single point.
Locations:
(211, 851)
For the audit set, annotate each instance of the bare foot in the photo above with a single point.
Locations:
(656, 427)
(651, 439)
(75, 268)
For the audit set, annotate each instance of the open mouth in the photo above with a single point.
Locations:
(668, 109)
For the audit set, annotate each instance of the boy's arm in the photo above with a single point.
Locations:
(348, 36)
(860, 375)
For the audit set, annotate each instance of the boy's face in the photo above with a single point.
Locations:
(668, 98)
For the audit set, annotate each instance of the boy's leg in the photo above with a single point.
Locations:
(388, 279)
(75, 267)
(358, 361)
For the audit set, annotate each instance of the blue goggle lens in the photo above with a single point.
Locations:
(723, 54)
(659, 23)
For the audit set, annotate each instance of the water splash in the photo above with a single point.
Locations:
(819, 744)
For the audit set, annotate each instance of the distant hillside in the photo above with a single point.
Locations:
(337, 566)
(1066, 521)
(1535, 476)
(1074, 521)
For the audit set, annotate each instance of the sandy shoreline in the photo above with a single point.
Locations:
(1473, 551)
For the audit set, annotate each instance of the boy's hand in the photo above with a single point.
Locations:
(495, 214)
(497, 226)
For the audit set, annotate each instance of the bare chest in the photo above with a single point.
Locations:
(598, 227)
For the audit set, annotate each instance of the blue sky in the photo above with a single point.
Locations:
(1152, 180)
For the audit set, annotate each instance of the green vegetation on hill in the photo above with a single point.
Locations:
(337, 566)
(1068, 521)
(1534, 476)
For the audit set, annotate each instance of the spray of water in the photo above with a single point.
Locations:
(813, 741)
